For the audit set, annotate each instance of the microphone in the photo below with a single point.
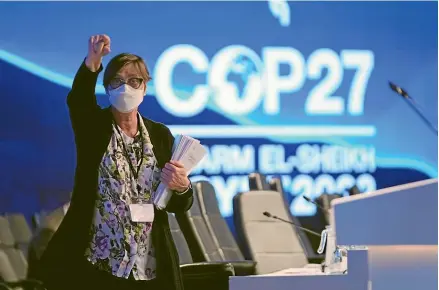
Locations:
(400, 91)
(325, 211)
(267, 214)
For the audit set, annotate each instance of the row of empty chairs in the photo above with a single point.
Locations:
(197, 273)
(265, 245)
(15, 238)
(14, 270)
(207, 248)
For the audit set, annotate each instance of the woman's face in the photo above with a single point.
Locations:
(130, 75)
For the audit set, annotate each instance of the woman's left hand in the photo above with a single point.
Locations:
(174, 175)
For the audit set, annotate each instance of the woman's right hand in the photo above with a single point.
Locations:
(98, 47)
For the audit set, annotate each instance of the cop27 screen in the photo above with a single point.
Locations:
(296, 90)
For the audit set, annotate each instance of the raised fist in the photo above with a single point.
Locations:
(98, 47)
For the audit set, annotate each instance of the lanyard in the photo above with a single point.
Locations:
(134, 171)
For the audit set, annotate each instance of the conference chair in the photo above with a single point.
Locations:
(324, 202)
(48, 224)
(201, 243)
(258, 181)
(13, 264)
(218, 229)
(273, 244)
(45, 224)
(6, 270)
(203, 275)
(199, 240)
(8, 245)
(21, 231)
(276, 185)
(354, 190)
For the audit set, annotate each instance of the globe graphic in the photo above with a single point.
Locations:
(241, 68)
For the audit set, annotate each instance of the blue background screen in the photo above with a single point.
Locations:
(291, 89)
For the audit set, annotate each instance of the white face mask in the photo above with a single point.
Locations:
(125, 99)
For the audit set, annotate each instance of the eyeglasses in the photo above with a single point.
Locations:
(135, 83)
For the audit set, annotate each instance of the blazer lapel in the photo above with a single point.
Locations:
(157, 143)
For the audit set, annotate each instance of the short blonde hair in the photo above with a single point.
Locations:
(121, 60)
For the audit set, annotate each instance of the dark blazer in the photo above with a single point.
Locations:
(64, 258)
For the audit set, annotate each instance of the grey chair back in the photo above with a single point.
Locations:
(20, 228)
(276, 185)
(180, 242)
(21, 231)
(324, 201)
(18, 262)
(54, 219)
(258, 181)
(197, 235)
(273, 244)
(16, 258)
(47, 226)
(6, 236)
(7, 272)
(354, 190)
(216, 224)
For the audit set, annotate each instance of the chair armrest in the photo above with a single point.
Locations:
(204, 269)
(207, 275)
(243, 267)
(314, 258)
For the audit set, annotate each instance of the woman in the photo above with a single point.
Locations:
(112, 237)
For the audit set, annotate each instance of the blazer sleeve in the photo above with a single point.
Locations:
(81, 100)
(178, 202)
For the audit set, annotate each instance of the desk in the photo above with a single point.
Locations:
(399, 227)
(355, 279)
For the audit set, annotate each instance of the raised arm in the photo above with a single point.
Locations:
(81, 100)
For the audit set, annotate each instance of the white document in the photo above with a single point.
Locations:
(176, 143)
(195, 152)
(189, 152)
(142, 213)
(185, 142)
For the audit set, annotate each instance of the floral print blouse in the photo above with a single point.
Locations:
(119, 245)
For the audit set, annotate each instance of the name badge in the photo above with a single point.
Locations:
(142, 213)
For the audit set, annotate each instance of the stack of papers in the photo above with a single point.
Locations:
(189, 152)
